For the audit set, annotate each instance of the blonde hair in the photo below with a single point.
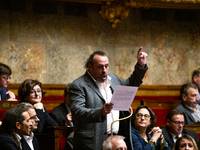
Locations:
(188, 137)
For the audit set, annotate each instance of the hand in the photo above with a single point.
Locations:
(106, 109)
(69, 119)
(0, 123)
(10, 96)
(38, 106)
(142, 58)
(156, 133)
(155, 129)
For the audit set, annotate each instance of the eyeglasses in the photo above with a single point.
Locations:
(177, 122)
(38, 91)
(146, 116)
(6, 78)
(34, 117)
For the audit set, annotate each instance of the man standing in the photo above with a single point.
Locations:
(16, 123)
(90, 97)
(174, 128)
(189, 104)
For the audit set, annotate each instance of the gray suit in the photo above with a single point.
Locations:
(86, 102)
(189, 119)
(170, 141)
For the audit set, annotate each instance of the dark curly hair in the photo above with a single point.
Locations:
(90, 59)
(153, 117)
(26, 87)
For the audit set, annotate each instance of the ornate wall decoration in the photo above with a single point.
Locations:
(118, 10)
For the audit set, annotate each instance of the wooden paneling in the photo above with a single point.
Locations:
(143, 90)
(49, 105)
(159, 104)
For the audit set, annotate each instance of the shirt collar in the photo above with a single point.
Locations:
(18, 137)
(173, 136)
(190, 108)
(29, 137)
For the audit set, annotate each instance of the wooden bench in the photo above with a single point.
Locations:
(55, 138)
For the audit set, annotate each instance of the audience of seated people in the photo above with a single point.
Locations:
(16, 123)
(196, 79)
(115, 142)
(175, 128)
(30, 91)
(143, 137)
(30, 142)
(62, 113)
(143, 119)
(189, 103)
(186, 142)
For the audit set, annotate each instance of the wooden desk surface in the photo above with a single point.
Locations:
(49, 105)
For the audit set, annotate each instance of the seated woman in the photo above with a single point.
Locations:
(143, 137)
(185, 142)
(31, 91)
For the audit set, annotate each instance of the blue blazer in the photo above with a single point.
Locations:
(3, 94)
(140, 144)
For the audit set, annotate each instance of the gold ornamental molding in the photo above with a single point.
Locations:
(116, 11)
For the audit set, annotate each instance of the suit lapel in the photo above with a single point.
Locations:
(25, 145)
(93, 85)
(168, 137)
(187, 111)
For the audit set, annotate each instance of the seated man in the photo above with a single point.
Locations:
(62, 113)
(5, 73)
(196, 79)
(115, 142)
(189, 104)
(30, 142)
(16, 123)
(174, 128)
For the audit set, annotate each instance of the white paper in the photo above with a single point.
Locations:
(123, 97)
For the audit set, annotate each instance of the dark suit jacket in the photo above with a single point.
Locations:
(7, 142)
(45, 120)
(189, 119)
(86, 102)
(3, 94)
(170, 141)
(25, 145)
(59, 114)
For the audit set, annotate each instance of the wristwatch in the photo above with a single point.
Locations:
(151, 141)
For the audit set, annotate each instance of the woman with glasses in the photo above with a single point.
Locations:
(31, 91)
(186, 142)
(143, 137)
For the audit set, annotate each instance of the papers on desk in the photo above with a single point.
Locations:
(123, 97)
